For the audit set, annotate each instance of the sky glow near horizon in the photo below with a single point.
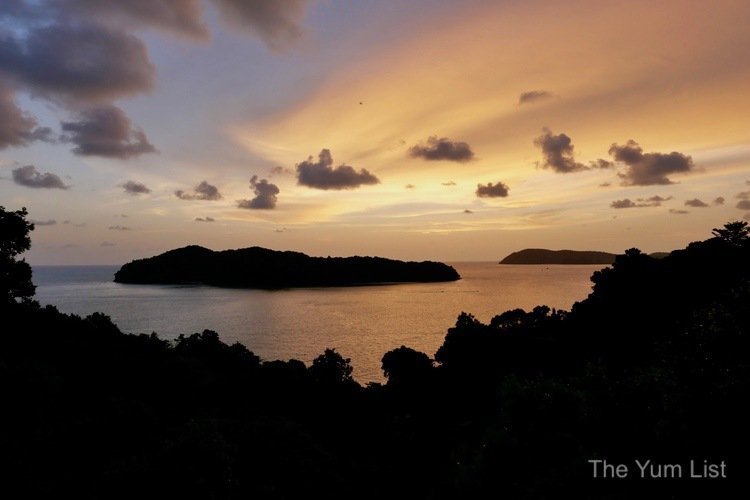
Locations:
(117, 108)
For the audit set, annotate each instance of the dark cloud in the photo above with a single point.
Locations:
(696, 203)
(678, 212)
(49, 222)
(16, 127)
(280, 171)
(601, 164)
(107, 63)
(449, 183)
(107, 244)
(744, 203)
(558, 153)
(265, 195)
(626, 203)
(277, 22)
(183, 17)
(119, 228)
(646, 169)
(29, 176)
(534, 95)
(467, 211)
(654, 201)
(719, 200)
(204, 219)
(133, 187)
(442, 149)
(203, 191)
(322, 175)
(13, 8)
(605, 184)
(499, 190)
(106, 131)
(410, 186)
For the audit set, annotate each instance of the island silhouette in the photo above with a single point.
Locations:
(537, 256)
(257, 267)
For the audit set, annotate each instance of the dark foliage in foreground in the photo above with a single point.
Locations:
(652, 365)
(257, 267)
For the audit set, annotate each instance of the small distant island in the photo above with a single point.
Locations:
(566, 257)
(262, 268)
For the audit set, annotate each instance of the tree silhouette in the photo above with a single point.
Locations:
(406, 366)
(15, 275)
(734, 233)
(330, 368)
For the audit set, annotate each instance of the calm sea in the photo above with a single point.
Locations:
(362, 323)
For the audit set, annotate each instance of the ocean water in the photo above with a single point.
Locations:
(361, 323)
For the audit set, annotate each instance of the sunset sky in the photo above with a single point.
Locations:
(428, 129)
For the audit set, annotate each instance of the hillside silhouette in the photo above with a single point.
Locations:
(653, 364)
(257, 267)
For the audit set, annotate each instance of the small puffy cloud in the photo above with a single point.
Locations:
(557, 152)
(119, 228)
(29, 176)
(442, 149)
(534, 96)
(48, 222)
(646, 169)
(203, 191)
(601, 164)
(626, 203)
(605, 184)
(410, 186)
(498, 190)
(744, 203)
(654, 201)
(719, 200)
(322, 174)
(106, 131)
(107, 244)
(696, 203)
(678, 212)
(265, 195)
(204, 219)
(467, 211)
(449, 183)
(276, 22)
(278, 170)
(133, 187)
